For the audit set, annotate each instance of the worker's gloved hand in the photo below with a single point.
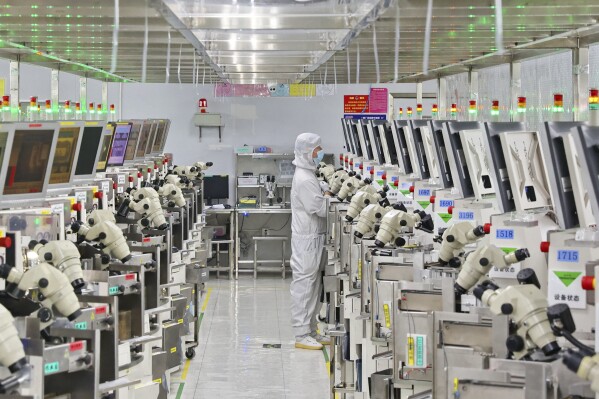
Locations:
(324, 186)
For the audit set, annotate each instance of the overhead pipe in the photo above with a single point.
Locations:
(376, 54)
(145, 50)
(168, 58)
(115, 37)
(358, 62)
(397, 34)
(499, 26)
(427, 37)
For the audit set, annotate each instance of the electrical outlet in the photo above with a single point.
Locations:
(265, 232)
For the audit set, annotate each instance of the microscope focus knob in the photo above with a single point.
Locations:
(105, 259)
(48, 256)
(403, 223)
(484, 261)
(146, 207)
(44, 314)
(450, 238)
(43, 282)
(102, 236)
(507, 308)
(514, 343)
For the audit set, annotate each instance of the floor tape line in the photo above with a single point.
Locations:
(185, 369)
(205, 304)
(180, 391)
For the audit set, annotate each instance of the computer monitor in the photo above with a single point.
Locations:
(498, 166)
(586, 139)
(388, 143)
(120, 143)
(151, 138)
(69, 137)
(161, 132)
(105, 150)
(561, 155)
(347, 136)
(443, 165)
(378, 151)
(167, 130)
(458, 162)
(405, 158)
(89, 150)
(144, 138)
(136, 126)
(366, 137)
(354, 126)
(423, 155)
(216, 187)
(26, 170)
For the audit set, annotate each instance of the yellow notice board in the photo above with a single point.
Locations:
(302, 90)
(1, 87)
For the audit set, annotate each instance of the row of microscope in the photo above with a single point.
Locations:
(462, 260)
(102, 259)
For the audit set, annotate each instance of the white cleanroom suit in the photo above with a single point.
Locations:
(308, 227)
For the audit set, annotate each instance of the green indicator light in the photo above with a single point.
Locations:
(50, 368)
(81, 326)
(37, 221)
(494, 113)
(472, 111)
(521, 110)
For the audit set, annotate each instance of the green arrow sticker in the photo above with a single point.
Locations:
(424, 204)
(445, 216)
(508, 250)
(567, 277)
(405, 192)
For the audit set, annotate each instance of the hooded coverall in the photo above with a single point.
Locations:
(308, 227)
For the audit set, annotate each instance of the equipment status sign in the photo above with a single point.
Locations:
(355, 104)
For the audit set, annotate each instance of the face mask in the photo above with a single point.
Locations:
(319, 156)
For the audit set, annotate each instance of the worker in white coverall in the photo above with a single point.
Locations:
(308, 227)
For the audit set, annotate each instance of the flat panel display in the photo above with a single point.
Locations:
(64, 156)
(133, 138)
(105, 151)
(28, 161)
(144, 138)
(119, 144)
(88, 150)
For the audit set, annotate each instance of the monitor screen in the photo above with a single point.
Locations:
(378, 144)
(88, 150)
(157, 146)
(216, 187)
(369, 154)
(3, 142)
(64, 155)
(400, 129)
(144, 138)
(133, 137)
(106, 140)
(441, 149)
(388, 132)
(28, 161)
(119, 144)
(354, 131)
(151, 138)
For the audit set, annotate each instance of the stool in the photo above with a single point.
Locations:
(282, 240)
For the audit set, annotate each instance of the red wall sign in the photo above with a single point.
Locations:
(355, 104)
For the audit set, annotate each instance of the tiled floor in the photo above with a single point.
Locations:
(240, 316)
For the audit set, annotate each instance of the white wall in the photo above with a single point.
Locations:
(269, 121)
